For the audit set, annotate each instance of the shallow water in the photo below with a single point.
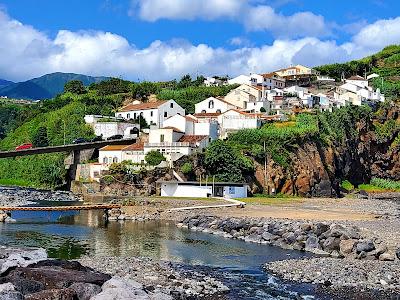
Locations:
(238, 264)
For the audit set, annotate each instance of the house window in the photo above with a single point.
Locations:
(119, 115)
(115, 159)
(151, 113)
(105, 160)
(231, 190)
(171, 105)
(134, 115)
(161, 138)
(165, 114)
(203, 111)
(128, 116)
(218, 111)
(211, 104)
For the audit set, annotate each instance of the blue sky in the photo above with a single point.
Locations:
(164, 39)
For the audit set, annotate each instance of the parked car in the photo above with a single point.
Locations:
(115, 137)
(79, 141)
(24, 146)
(98, 138)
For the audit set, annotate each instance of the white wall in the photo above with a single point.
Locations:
(108, 129)
(176, 121)
(170, 136)
(210, 129)
(207, 107)
(175, 190)
(110, 155)
(134, 156)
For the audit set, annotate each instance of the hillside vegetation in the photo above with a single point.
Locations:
(385, 63)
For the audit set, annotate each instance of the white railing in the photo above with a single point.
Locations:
(166, 145)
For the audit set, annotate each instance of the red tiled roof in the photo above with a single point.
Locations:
(192, 138)
(206, 115)
(141, 106)
(191, 118)
(134, 147)
(113, 147)
(173, 128)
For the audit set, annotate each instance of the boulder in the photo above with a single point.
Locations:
(53, 294)
(267, 236)
(11, 295)
(320, 228)
(347, 246)
(387, 256)
(365, 246)
(85, 291)
(118, 288)
(398, 253)
(253, 238)
(332, 243)
(6, 287)
(312, 243)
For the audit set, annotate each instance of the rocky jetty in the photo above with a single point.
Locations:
(325, 239)
(10, 196)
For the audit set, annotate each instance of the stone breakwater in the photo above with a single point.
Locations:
(29, 274)
(325, 239)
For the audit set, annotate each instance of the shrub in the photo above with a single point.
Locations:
(347, 185)
(154, 158)
(187, 168)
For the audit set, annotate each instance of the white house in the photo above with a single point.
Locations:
(109, 126)
(213, 105)
(214, 81)
(358, 81)
(273, 81)
(249, 97)
(118, 153)
(234, 120)
(203, 190)
(190, 125)
(153, 112)
(356, 91)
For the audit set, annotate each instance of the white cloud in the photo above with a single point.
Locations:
(252, 14)
(26, 52)
(382, 32)
(153, 10)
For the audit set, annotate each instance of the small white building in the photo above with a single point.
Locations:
(153, 112)
(273, 81)
(203, 190)
(358, 81)
(213, 105)
(214, 81)
(234, 120)
(117, 153)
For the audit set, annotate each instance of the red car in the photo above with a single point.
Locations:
(24, 146)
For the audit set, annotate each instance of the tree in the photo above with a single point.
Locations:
(154, 158)
(185, 81)
(199, 81)
(223, 161)
(40, 138)
(144, 89)
(74, 87)
(142, 122)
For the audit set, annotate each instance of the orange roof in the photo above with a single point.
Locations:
(113, 147)
(191, 118)
(136, 146)
(141, 106)
(192, 138)
(272, 75)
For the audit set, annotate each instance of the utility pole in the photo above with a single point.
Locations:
(64, 131)
(265, 167)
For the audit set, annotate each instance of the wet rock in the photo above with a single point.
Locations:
(253, 238)
(85, 291)
(11, 295)
(312, 243)
(267, 236)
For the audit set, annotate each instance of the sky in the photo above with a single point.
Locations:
(165, 39)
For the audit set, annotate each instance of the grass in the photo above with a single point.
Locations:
(271, 201)
(16, 182)
(370, 188)
(347, 185)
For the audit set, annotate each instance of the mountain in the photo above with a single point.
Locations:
(44, 87)
(4, 83)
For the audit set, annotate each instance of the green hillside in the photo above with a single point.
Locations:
(45, 87)
(385, 63)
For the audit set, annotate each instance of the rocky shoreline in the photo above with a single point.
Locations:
(18, 196)
(345, 259)
(29, 274)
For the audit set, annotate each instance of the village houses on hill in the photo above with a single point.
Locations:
(257, 99)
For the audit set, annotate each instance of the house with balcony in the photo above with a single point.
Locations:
(297, 75)
(273, 81)
(234, 120)
(155, 113)
(250, 98)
